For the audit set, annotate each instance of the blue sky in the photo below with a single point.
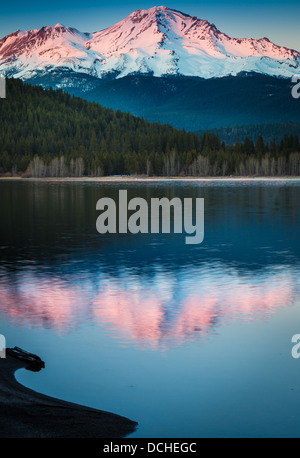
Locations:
(277, 20)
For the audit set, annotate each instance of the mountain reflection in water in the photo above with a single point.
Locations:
(165, 310)
(153, 290)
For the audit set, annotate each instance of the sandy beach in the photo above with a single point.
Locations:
(26, 413)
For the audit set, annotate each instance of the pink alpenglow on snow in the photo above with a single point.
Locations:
(158, 41)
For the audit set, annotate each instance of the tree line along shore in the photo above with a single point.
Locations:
(49, 133)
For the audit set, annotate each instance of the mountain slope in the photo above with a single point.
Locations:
(196, 104)
(159, 41)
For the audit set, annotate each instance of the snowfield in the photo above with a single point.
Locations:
(158, 41)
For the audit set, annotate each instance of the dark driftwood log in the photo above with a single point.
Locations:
(33, 362)
(26, 413)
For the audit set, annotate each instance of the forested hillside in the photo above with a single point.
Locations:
(50, 133)
(195, 104)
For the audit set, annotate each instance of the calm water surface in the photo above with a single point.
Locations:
(188, 340)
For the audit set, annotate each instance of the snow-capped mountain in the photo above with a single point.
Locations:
(159, 41)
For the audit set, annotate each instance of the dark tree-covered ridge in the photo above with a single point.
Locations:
(51, 133)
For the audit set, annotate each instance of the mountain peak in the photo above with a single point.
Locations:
(158, 8)
(153, 9)
(159, 41)
(59, 25)
(162, 9)
(165, 9)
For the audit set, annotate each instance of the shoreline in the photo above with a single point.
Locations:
(125, 178)
(25, 413)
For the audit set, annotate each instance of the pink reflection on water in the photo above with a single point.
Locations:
(156, 313)
(136, 313)
(208, 305)
(45, 303)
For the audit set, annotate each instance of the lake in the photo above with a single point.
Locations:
(187, 340)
